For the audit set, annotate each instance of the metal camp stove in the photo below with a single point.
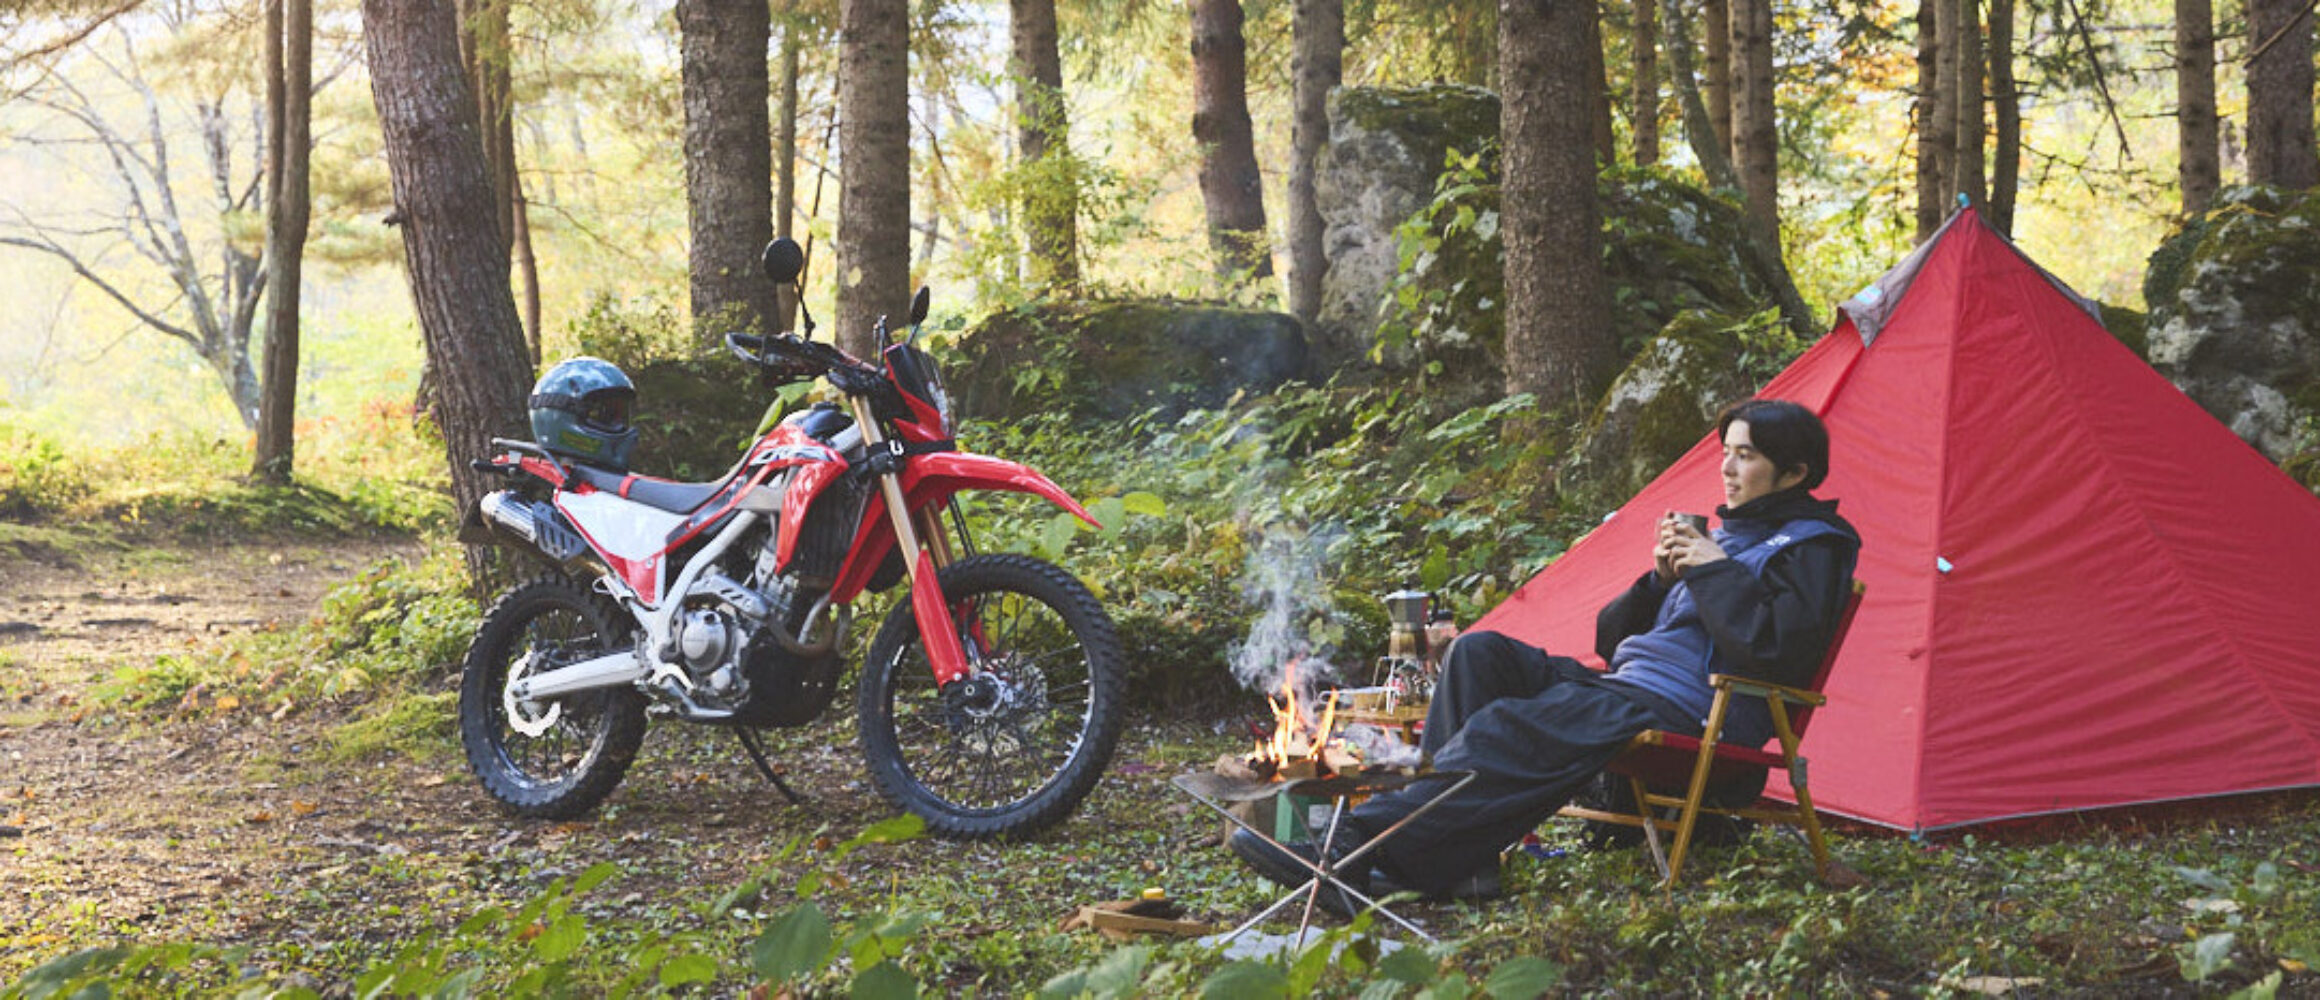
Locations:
(1341, 788)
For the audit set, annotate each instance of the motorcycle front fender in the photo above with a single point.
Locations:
(933, 479)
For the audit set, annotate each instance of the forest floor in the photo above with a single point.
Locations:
(203, 820)
(228, 824)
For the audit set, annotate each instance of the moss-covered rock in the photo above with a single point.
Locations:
(1670, 394)
(2234, 301)
(1668, 248)
(2129, 327)
(1386, 148)
(1112, 360)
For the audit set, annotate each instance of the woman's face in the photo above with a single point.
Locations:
(1747, 473)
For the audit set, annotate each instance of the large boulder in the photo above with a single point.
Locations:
(1386, 148)
(1415, 254)
(1670, 394)
(2234, 300)
(1112, 360)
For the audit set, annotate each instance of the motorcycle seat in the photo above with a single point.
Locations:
(663, 494)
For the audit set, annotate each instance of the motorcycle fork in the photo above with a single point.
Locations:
(923, 543)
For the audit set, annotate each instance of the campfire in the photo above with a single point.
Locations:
(1300, 745)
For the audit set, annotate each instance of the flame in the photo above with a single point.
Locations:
(1296, 736)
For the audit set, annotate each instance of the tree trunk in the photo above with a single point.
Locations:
(728, 163)
(1756, 134)
(1230, 184)
(2279, 82)
(485, 53)
(1318, 36)
(1966, 176)
(1558, 320)
(1043, 127)
(785, 157)
(1931, 111)
(2006, 102)
(1643, 104)
(458, 268)
(1762, 246)
(1599, 88)
(1716, 67)
(2199, 171)
(289, 90)
(527, 273)
(874, 151)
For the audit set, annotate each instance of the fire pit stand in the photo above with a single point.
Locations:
(1214, 790)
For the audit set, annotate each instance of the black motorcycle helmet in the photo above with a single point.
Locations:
(580, 409)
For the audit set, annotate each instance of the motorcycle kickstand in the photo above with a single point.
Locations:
(756, 750)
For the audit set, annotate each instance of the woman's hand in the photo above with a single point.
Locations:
(1681, 547)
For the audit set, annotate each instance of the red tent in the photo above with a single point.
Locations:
(2083, 591)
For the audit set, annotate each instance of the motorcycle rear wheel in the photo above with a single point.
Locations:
(554, 759)
(1015, 748)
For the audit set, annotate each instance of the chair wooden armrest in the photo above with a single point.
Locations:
(1765, 689)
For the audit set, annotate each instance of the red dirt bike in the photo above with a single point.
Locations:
(989, 702)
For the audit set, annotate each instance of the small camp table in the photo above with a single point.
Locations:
(1213, 790)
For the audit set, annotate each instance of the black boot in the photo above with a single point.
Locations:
(1286, 865)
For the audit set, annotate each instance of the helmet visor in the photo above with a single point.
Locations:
(605, 411)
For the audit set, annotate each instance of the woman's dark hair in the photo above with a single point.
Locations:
(1784, 432)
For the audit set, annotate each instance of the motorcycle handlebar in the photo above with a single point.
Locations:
(786, 355)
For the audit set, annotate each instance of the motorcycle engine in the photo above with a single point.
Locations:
(738, 643)
(712, 628)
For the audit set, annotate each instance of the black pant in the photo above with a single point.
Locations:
(1534, 728)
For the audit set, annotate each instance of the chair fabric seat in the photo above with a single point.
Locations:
(1665, 758)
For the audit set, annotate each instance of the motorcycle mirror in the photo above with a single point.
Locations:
(784, 260)
(919, 304)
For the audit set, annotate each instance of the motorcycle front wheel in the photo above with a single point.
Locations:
(1014, 747)
(553, 759)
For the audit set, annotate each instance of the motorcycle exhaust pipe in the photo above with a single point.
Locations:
(537, 524)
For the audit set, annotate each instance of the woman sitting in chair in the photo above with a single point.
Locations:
(1759, 597)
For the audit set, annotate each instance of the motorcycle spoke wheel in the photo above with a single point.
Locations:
(1015, 747)
(556, 758)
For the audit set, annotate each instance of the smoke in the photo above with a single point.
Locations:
(1295, 617)
(1379, 747)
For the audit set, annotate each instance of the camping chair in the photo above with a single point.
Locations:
(1657, 758)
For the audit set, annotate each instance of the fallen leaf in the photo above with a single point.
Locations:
(433, 781)
(2292, 965)
(258, 817)
(303, 808)
(227, 703)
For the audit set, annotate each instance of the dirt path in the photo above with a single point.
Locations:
(114, 825)
(228, 826)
